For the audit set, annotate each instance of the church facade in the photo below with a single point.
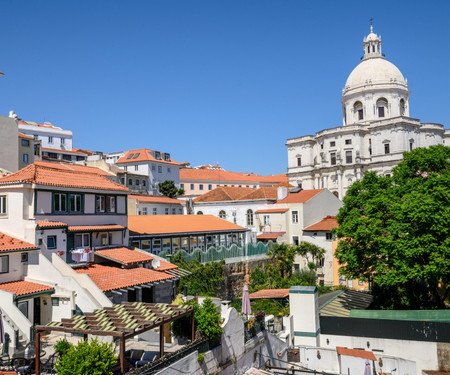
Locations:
(376, 129)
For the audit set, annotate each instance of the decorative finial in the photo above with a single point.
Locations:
(371, 24)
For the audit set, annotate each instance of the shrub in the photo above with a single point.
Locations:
(208, 320)
(87, 358)
(62, 347)
(201, 358)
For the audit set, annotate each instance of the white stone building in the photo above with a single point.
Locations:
(377, 129)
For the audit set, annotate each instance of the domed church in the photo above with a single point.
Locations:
(376, 129)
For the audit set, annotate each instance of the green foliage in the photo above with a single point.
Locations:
(180, 192)
(87, 358)
(168, 188)
(396, 231)
(201, 358)
(311, 252)
(208, 320)
(205, 280)
(182, 327)
(270, 307)
(62, 346)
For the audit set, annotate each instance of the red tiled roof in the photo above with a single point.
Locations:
(62, 151)
(192, 174)
(21, 288)
(124, 255)
(26, 136)
(270, 293)
(167, 224)
(22, 122)
(301, 197)
(51, 176)
(356, 353)
(272, 210)
(110, 278)
(269, 235)
(80, 150)
(264, 192)
(50, 224)
(144, 154)
(224, 193)
(90, 228)
(166, 266)
(155, 199)
(66, 166)
(326, 224)
(8, 243)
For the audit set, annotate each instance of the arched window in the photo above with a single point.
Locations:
(249, 218)
(382, 106)
(358, 110)
(402, 107)
(199, 213)
(373, 48)
(222, 214)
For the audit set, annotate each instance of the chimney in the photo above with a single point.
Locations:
(282, 192)
(12, 114)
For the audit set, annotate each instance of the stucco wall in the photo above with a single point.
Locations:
(9, 147)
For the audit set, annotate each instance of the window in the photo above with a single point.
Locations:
(299, 162)
(144, 210)
(320, 262)
(411, 145)
(358, 110)
(63, 141)
(100, 203)
(266, 219)
(3, 205)
(328, 236)
(380, 111)
(4, 263)
(180, 210)
(136, 167)
(67, 157)
(332, 144)
(159, 169)
(222, 214)
(348, 141)
(122, 180)
(387, 148)
(105, 239)
(144, 183)
(168, 169)
(348, 157)
(181, 186)
(294, 217)
(51, 242)
(174, 212)
(50, 139)
(382, 106)
(250, 218)
(192, 186)
(36, 137)
(52, 155)
(166, 211)
(210, 187)
(153, 167)
(25, 158)
(321, 146)
(130, 182)
(55, 301)
(388, 175)
(155, 211)
(136, 182)
(75, 202)
(24, 257)
(199, 213)
(136, 155)
(200, 186)
(295, 241)
(111, 204)
(81, 240)
(333, 158)
(402, 107)
(25, 142)
(130, 156)
(23, 307)
(166, 157)
(157, 155)
(59, 202)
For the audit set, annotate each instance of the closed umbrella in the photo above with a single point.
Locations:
(246, 309)
(367, 369)
(2, 331)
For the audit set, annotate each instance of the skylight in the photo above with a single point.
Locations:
(136, 155)
(130, 156)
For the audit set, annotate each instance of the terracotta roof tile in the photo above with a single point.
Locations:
(193, 174)
(21, 288)
(51, 224)
(144, 154)
(165, 224)
(269, 235)
(26, 136)
(73, 167)
(90, 228)
(62, 151)
(326, 224)
(272, 211)
(301, 197)
(356, 353)
(51, 176)
(110, 278)
(270, 293)
(265, 192)
(124, 256)
(8, 243)
(155, 199)
(166, 266)
(224, 193)
(22, 122)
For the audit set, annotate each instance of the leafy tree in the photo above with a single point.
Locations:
(62, 346)
(208, 320)
(180, 192)
(311, 252)
(395, 231)
(87, 358)
(168, 188)
(283, 256)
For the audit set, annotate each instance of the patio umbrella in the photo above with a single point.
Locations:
(246, 309)
(2, 331)
(367, 369)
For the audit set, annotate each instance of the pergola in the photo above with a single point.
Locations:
(123, 321)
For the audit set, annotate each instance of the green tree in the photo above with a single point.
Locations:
(208, 320)
(395, 231)
(311, 252)
(168, 188)
(87, 358)
(283, 256)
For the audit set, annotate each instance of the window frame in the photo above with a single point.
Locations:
(55, 239)
(348, 157)
(23, 257)
(294, 217)
(333, 158)
(2, 263)
(222, 215)
(3, 205)
(266, 219)
(250, 218)
(25, 143)
(54, 210)
(387, 148)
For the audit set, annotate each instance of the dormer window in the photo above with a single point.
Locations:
(166, 157)
(157, 155)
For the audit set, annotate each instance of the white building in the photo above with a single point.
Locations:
(157, 165)
(376, 129)
(154, 205)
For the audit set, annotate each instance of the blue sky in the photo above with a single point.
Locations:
(210, 81)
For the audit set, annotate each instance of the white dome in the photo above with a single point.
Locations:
(372, 36)
(376, 70)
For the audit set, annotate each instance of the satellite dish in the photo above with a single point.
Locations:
(156, 263)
